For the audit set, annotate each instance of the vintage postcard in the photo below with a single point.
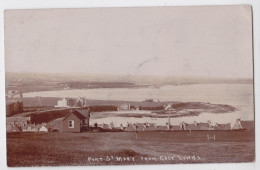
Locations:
(127, 86)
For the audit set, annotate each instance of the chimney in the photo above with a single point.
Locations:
(169, 122)
(210, 124)
(238, 121)
(134, 126)
(111, 125)
(183, 125)
(168, 126)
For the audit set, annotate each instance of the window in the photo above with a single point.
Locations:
(71, 124)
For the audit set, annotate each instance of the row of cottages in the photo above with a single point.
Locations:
(182, 126)
(22, 124)
(75, 121)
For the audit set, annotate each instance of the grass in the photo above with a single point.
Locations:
(157, 147)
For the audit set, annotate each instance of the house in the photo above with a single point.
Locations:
(30, 128)
(13, 128)
(66, 102)
(141, 127)
(151, 127)
(151, 100)
(55, 125)
(81, 102)
(245, 125)
(205, 126)
(159, 127)
(168, 107)
(176, 127)
(196, 126)
(76, 121)
(20, 121)
(130, 127)
(14, 94)
(248, 125)
(124, 106)
(193, 126)
(104, 126)
(42, 128)
(226, 126)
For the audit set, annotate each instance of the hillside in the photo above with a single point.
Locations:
(26, 82)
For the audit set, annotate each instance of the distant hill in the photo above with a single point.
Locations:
(25, 82)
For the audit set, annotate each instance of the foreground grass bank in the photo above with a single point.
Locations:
(96, 148)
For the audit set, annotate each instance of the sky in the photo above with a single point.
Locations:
(208, 41)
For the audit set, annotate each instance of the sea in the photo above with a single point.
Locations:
(240, 96)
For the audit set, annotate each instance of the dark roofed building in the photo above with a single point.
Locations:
(246, 125)
(56, 125)
(21, 121)
(161, 127)
(151, 127)
(13, 128)
(193, 126)
(176, 127)
(124, 106)
(76, 121)
(130, 127)
(30, 128)
(204, 126)
(226, 126)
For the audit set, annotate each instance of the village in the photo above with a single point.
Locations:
(78, 119)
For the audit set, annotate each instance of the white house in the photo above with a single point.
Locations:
(66, 102)
(43, 128)
(124, 106)
(168, 107)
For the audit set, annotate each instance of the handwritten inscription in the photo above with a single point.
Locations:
(111, 158)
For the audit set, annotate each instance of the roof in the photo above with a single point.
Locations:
(192, 127)
(226, 126)
(14, 128)
(202, 126)
(140, 128)
(17, 119)
(81, 114)
(25, 127)
(85, 113)
(248, 125)
(161, 128)
(129, 128)
(151, 127)
(176, 127)
(55, 121)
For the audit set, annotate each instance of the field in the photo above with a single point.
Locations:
(109, 148)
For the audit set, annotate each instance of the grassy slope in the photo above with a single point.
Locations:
(51, 149)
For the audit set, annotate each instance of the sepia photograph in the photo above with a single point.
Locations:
(129, 86)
